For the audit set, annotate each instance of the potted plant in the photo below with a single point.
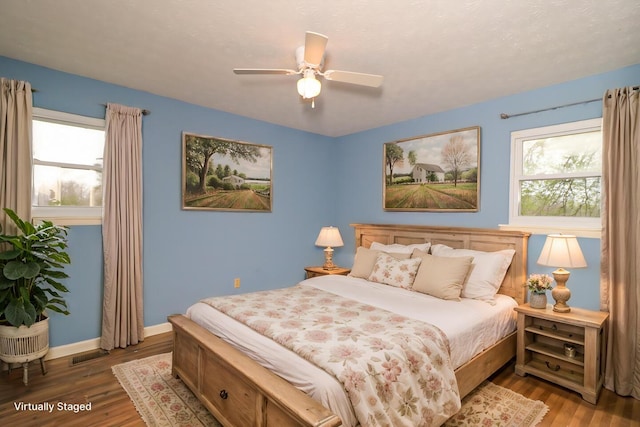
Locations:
(538, 285)
(31, 264)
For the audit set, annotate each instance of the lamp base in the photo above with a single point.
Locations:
(328, 259)
(561, 294)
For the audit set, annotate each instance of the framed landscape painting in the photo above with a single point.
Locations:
(227, 175)
(433, 173)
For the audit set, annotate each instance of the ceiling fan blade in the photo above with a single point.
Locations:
(264, 71)
(372, 80)
(314, 45)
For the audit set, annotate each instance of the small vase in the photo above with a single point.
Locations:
(537, 300)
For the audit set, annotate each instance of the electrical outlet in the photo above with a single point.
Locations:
(236, 282)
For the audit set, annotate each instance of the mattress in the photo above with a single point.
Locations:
(470, 325)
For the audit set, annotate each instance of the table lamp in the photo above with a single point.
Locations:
(329, 237)
(561, 251)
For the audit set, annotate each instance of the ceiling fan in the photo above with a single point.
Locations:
(310, 60)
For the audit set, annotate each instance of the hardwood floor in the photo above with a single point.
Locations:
(87, 382)
(566, 408)
(93, 382)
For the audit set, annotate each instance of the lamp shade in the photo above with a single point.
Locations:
(329, 236)
(309, 86)
(562, 250)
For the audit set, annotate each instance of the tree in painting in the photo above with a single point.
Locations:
(457, 156)
(393, 155)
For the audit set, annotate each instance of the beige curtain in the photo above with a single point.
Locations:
(620, 282)
(16, 109)
(122, 316)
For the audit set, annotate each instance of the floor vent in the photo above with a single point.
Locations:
(90, 355)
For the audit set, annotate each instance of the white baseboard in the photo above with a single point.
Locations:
(94, 343)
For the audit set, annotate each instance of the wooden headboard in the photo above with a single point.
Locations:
(481, 239)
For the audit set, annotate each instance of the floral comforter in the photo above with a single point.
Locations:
(396, 370)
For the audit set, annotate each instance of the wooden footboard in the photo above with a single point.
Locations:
(234, 388)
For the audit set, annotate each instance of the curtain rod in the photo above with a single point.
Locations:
(144, 112)
(507, 116)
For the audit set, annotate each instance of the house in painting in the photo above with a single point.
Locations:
(427, 172)
(234, 180)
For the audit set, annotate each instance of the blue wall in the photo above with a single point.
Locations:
(189, 255)
(360, 161)
(316, 181)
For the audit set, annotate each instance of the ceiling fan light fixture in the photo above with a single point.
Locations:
(310, 60)
(308, 85)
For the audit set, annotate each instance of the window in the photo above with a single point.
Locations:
(67, 167)
(556, 176)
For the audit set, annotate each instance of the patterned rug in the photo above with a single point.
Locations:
(495, 406)
(163, 400)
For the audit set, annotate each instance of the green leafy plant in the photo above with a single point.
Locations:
(31, 264)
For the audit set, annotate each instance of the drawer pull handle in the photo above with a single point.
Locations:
(556, 368)
(554, 327)
(224, 394)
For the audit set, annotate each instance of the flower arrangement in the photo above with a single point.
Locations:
(539, 283)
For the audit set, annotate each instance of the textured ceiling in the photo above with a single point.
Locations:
(435, 55)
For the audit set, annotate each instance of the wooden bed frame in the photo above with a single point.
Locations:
(240, 392)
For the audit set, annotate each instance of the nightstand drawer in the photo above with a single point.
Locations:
(554, 367)
(556, 330)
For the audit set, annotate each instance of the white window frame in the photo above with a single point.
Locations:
(66, 215)
(582, 227)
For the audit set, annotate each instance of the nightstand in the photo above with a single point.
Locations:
(567, 349)
(319, 271)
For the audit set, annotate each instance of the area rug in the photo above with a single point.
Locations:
(160, 399)
(163, 400)
(495, 406)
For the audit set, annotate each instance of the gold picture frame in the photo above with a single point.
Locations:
(226, 175)
(439, 172)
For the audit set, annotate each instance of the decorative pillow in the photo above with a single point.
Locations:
(418, 253)
(487, 270)
(365, 260)
(400, 249)
(394, 272)
(441, 277)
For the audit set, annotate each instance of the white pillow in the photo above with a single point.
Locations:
(364, 261)
(400, 249)
(394, 272)
(487, 270)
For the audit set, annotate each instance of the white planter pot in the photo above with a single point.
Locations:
(537, 300)
(24, 344)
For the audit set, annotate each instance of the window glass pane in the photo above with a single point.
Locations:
(578, 197)
(581, 152)
(57, 186)
(63, 143)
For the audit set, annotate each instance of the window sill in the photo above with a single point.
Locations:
(68, 221)
(592, 233)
